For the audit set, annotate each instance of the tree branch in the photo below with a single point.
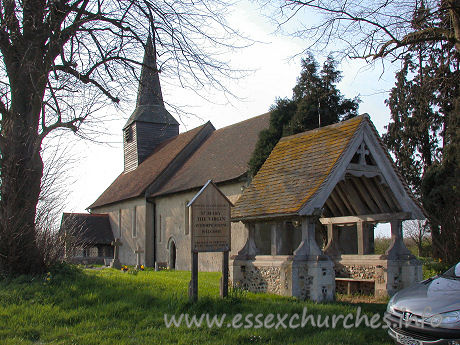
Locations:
(73, 125)
(86, 79)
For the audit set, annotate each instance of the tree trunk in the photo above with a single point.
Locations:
(21, 167)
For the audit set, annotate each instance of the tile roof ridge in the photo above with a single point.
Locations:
(239, 123)
(337, 124)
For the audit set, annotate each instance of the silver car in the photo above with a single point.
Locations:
(427, 312)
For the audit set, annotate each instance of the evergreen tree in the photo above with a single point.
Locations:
(423, 133)
(316, 101)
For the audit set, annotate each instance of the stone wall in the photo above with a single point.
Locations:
(121, 216)
(172, 225)
(388, 276)
(362, 271)
(260, 279)
(283, 276)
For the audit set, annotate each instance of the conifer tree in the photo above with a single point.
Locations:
(423, 133)
(316, 101)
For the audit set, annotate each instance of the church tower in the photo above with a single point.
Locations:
(150, 124)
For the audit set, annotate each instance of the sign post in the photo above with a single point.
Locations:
(210, 232)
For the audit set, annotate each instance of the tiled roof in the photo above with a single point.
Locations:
(88, 228)
(222, 157)
(295, 170)
(134, 183)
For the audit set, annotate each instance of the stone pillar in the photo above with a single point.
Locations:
(397, 249)
(312, 273)
(403, 268)
(308, 246)
(332, 247)
(245, 257)
(249, 251)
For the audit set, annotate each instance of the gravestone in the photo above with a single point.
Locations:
(116, 260)
(210, 231)
(138, 253)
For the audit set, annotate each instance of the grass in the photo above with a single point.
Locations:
(111, 307)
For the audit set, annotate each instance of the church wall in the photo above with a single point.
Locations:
(171, 225)
(124, 213)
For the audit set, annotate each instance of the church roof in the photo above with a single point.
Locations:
(224, 156)
(149, 105)
(302, 170)
(134, 183)
(90, 229)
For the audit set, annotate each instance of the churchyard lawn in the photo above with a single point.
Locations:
(107, 306)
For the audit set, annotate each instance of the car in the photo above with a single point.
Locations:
(428, 312)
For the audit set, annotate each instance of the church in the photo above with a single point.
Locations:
(303, 226)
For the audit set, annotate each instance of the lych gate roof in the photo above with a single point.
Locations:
(89, 229)
(303, 169)
(150, 106)
(294, 171)
(222, 157)
(134, 183)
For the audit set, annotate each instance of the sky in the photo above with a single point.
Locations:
(274, 67)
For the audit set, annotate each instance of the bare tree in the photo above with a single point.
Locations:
(370, 29)
(418, 232)
(54, 192)
(61, 60)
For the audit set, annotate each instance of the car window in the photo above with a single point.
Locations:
(453, 272)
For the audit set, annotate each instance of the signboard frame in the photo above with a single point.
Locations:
(210, 231)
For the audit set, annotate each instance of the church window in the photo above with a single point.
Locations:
(129, 134)
(119, 223)
(159, 229)
(134, 223)
(186, 218)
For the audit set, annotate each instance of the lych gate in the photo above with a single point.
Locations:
(337, 181)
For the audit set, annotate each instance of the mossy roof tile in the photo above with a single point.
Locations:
(295, 170)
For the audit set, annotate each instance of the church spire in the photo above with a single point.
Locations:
(149, 105)
(149, 92)
(150, 124)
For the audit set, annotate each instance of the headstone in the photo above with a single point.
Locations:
(138, 253)
(116, 261)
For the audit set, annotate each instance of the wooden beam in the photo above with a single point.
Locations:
(339, 203)
(344, 198)
(359, 170)
(333, 208)
(354, 198)
(388, 196)
(371, 218)
(371, 204)
(381, 203)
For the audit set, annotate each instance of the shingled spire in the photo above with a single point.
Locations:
(150, 124)
(149, 86)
